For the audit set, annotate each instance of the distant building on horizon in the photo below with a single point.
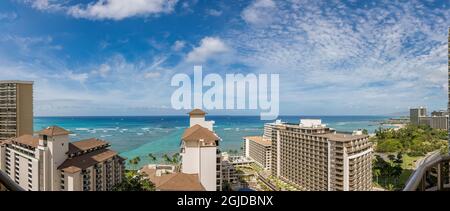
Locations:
(16, 109)
(49, 162)
(199, 151)
(437, 120)
(314, 157)
(416, 113)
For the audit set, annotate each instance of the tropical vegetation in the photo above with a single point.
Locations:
(412, 140)
(135, 162)
(397, 151)
(388, 172)
(134, 181)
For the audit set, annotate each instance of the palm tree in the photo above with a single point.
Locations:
(377, 173)
(135, 161)
(176, 158)
(152, 157)
(167, 158)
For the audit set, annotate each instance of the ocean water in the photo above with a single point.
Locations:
(139, 136)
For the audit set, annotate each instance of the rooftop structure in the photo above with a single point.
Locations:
(166, 179)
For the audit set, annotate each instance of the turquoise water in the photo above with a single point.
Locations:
(139, 136)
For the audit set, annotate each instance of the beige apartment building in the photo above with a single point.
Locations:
(16, 109)
(314, 157)
(49, 162)
(258, 148)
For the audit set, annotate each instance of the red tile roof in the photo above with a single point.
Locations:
(197, 112)
(198, 132)
(54, 131)
(84, 161)
(174, 181)
(87, 144)
(28, 140)
(260, 140)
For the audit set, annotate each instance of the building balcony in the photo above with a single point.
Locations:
(430, 175)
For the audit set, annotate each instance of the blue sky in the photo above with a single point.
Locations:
(113, 57)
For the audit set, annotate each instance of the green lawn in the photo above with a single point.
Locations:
(409, 161)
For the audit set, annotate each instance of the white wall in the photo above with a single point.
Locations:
(200, 120)
(44, 160)
(23, 172)
(247, 148)
(208, 177)
(58, 146)
(73, 182)
(35, 170)
(310, 122)
(190, 160)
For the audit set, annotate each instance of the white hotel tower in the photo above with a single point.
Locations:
(50, 162)
(199, 151)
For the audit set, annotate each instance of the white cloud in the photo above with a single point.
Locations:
(376, 58)
(25, 43)
(80, 77)
(103, 70)
(214, 12)
(151, 75)
(209, 47)
(178, 45)
(259, 12)
(48, 5)
(8, 16)
(119, 9)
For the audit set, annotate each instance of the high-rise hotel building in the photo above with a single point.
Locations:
(49, 162)
(258, 149)
(314, 157)
(16, 109)
(199, 151)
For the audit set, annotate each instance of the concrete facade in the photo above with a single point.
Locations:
(16, 109)
(259, 149)
(48, 162)
(315, 157)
